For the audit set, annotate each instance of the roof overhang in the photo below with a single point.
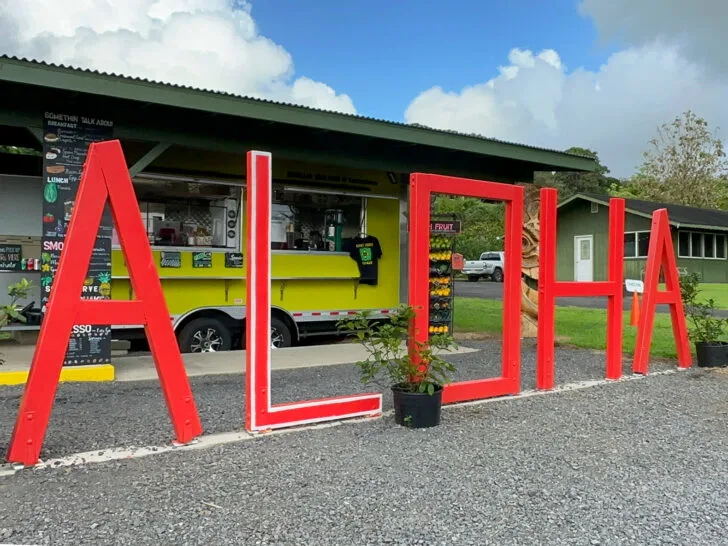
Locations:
(59, 78)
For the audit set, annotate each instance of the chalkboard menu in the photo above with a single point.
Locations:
(170, 259)
(233, 259)
(66, 138)
(202, 259)
(10, 256)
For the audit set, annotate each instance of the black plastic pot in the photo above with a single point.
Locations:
(417, 410)
(712, 354)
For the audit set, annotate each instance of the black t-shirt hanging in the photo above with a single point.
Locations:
(366, 251)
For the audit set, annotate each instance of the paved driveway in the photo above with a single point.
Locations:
(489, 290)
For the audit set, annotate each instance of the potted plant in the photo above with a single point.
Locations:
(706, 329)
(416, 375)
(9, 312)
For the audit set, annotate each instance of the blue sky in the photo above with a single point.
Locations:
(382, 53)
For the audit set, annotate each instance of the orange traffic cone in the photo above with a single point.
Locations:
(635, 316)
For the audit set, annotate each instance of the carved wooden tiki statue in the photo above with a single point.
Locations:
(529, 280)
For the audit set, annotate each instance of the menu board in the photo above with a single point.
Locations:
(233, 259)
(66, 138)
(202, 259)
(10, 256)
(170, 259)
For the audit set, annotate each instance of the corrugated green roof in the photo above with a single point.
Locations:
(679, 215)
(40, 73)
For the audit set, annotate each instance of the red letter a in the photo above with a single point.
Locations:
(105, 177)
(661, 253)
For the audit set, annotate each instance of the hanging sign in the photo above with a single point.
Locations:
(170, 259)
(233, 260)
(449, 227)
(202, 260)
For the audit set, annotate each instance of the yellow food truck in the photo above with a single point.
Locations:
(196, 228)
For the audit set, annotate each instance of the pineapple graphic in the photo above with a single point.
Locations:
(105, 286)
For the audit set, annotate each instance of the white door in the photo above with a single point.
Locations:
(583, 258)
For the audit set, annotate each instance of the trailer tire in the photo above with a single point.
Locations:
(280, 334)
(204, 335)
(472, 278)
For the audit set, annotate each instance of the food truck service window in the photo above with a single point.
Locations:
(185, 214)
(315, 221)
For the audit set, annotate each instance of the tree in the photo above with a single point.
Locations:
(571, 183)
(685, 164)
(626, 189)
(483, 223)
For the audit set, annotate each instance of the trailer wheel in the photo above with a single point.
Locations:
(280, 334)
(205, 335)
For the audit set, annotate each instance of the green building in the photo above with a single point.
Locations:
(698, 235)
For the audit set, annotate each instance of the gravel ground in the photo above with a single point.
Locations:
(95, 416)
(638, 462)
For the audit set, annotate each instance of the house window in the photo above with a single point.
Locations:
(696, 245)
(710, 246)
(643, 243)
(683, 244)
(636, 244)
(594, 208)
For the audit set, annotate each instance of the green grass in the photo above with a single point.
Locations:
(585, 328)
(718, 292)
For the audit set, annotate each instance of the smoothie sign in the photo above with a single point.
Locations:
(65, 143)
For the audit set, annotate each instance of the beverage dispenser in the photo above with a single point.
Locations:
(334, 221)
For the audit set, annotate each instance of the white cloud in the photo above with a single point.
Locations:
(212, 44)
(697, 27)
(614, 110)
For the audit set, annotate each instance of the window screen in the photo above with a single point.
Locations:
(299, 218)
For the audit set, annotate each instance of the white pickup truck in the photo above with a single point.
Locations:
(490, 265)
